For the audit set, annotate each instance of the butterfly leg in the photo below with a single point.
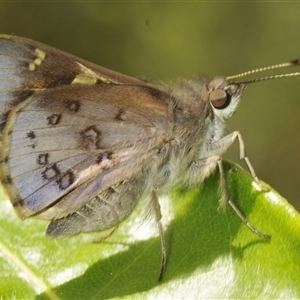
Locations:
(215, 150)
(207, 165)
(243, 156)
(223, 144)
(157, 211)
(226, 197)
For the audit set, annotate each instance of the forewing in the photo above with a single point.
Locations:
(27, 66)
(64, 143)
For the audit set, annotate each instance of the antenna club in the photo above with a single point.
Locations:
(295, 61)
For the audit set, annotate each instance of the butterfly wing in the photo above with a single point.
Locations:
(70, 129)
(27, 66)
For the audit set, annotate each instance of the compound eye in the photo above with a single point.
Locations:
(219, 99)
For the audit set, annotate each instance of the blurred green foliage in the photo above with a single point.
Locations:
(211, 253)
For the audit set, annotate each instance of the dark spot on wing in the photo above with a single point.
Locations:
(65, 180)
(54, 119)
(72, 105)
(90, 138)
(42, 159)
(103, 156)
(31, 134)
(51, 172)
(120, 116)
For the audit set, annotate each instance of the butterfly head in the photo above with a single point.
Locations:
(224, 97)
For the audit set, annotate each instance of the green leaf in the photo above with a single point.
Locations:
(211, 253)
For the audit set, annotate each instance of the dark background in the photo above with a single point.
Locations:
(163, 41)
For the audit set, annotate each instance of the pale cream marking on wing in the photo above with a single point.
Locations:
(81, 215)
(38, 61)
(89, 77)
(89, 206)
(102, 196)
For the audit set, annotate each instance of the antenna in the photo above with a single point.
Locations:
(292, 63)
